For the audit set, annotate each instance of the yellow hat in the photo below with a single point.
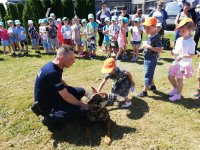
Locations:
(183, 22)
(108, 66)
(151, 21)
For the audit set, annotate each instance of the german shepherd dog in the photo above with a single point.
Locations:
(98, 113)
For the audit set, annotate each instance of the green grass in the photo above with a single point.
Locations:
(150, 123)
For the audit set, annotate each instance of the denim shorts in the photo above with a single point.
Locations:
(5, 43)
(149, 69)
(46, 44)
(135, 42)
(35, 42)
(13, 40)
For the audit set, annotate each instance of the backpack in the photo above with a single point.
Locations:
(166, 43)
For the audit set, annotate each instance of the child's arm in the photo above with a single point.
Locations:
(101, 85)
(130, 77)
(155, 49)
(179, 57)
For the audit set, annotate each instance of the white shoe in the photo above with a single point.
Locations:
(127, 104)
(172, 92)
(175, 97)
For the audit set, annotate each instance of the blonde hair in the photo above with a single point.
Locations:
(188, 25)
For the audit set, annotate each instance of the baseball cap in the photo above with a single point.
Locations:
(1, 24)
(107, 19)
(9, 21)
(30, 22)
(52, 14)
(108, 66)
(83, 20)
(17, 22)
(183, 22)
(137, 20)
(90, 16)
(45, 20)
(151, 21)
(50, 18)
(65, 19)
(114, 18)
(125, 20)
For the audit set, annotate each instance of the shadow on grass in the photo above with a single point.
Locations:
(188, 103)
(75, 134)
(2, 59)
(167, 59)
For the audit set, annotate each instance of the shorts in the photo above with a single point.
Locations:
(121, 43)
(23, 42)
(13, 40)
(46, 44)
(135, 43)
(198, 72)
(68, 42)
(54, 43)
(114, 44)
(91, 44)
(5, 42)
(181, 72)
(35, 42)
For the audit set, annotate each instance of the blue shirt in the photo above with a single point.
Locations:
(66, 32)
(91, 28)
(20, 31)
(106, 36)
(47, 84)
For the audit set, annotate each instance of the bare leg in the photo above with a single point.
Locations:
(179, 85)
(172, 81)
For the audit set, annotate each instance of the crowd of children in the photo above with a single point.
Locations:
(53, 33)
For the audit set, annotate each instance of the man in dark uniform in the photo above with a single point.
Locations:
(54, 97)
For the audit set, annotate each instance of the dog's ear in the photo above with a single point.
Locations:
(94, 90)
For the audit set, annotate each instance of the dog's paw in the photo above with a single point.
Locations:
(107, 140)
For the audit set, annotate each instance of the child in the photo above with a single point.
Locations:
(91, 36)
(152, 48)
(76, 31)
(60, 36)
(66, 32)
(4, 38)
(106, 39)
(83, 33)
(33, 34)
(197, 94)
(122, 40)
(158, 28)
(182, 66)
(113, 32)
(21, 36)
(13, 37)
(122, 80)
(136, 31)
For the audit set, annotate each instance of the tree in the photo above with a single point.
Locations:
(2, 12)
(46, 4)
(68, 8)
(12, 11)
(91, 6)
(57, 8)
(20, 8)
(81, 10)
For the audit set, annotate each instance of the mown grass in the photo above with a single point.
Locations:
(150, 123)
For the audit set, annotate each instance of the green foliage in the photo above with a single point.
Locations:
(6, 18)
(81, 10)
(57, 8)
(68, 8)
(12, 11)
(2, 12)
(20, 8)
(91, 6)
(46, 4)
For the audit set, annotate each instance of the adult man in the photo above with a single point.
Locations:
(55, 98)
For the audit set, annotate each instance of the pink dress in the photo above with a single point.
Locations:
(121, 38)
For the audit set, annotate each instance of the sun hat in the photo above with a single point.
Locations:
(30, 22)
(17, 22)
(114, 18)
(9, 21)
(183, 22)
(151, 21)
(65, 19)
(90, 16)
(125, 20)
(137, 20)
(45, 20)
(108, 66)
(59, 20)
(40, 21)
(83, 20)
(1, 24)
(52, 14)
(50, 18)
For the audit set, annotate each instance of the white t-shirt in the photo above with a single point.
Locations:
(43, 32)
(136, 33)
(114, 30)
(185, 47)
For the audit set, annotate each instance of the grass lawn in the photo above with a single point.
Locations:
(150, 123)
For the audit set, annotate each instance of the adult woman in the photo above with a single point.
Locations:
(161, 15)
(138, 15)
(184, 14)
(100, 19)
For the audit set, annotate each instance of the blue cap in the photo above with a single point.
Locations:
(45, 20)
(90, 16)
(107, 19)
(17, 22)
(1, 24)
(83, 20)
(125, 20)
(137, 19)
(114, 18)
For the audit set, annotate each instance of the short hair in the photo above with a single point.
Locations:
(64, 50)
(124, 8)
(188, 25)
(186, 4)
(103, 2)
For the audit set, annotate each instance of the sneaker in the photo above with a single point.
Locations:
(197, 94)
(142, 94)
(152, 88)
(14, 54)
(133, 60)
(127, 104)
(175, 97)
(172, 92)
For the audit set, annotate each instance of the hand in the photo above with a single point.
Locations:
(147, 46)
(178, 58)
(85, 106)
